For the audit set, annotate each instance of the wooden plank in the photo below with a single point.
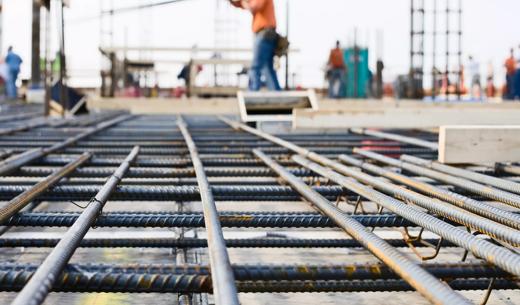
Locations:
(479, 144)
(406, 117)
(166, 105)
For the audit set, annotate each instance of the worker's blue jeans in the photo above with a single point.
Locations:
(509, 87)
(10, 84)
(516, 85)
(263, 64)
(336, 83)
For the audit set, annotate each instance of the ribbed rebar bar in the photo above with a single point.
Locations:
(500, 256)
(196, 220)
(507, 185)
(180, 193)
(143, 172)
(159, 283)
(13, 163)
(426, 284)
(508, 169)
(477, 188)
(437, 206)
(202, 243)
(20, 201)
(43, 279)
(224, 289)
(499, 215)
(285, 272)
(395, 137)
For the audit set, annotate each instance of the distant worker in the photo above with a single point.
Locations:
(510, 65)
(336, 70)
(516, 79)
(266, 39)
(13, 61)
(490, 81)
(474, 76)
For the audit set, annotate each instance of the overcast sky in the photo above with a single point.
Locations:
(489, 31)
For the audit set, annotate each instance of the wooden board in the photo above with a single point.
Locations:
(479, 144)
(166, 105)
(406, 116)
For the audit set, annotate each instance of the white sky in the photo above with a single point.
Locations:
(489, 31)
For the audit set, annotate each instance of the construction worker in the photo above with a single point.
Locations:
(510, 65)
(516, 80)
(336, 69)
(474, 73)
(266, 39)
(13, 61)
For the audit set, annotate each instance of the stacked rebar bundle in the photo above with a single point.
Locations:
(71, 175)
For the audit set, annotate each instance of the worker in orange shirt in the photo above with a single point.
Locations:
(336, 69)
(510, 65)
(266, 39)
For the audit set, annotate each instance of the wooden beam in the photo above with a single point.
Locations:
(479, 144)
(386, 116)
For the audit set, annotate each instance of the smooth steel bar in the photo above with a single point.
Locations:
(426, 284)
(395, 137)
(500, 256)
(20, 201)
(224, 289)
(42, 281)
(13, 163)
(499, 215)
(506, 185)
(477, 188)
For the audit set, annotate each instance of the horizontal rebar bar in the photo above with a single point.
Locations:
(370, 271)
(177, 193)
(159, 283)
(196, 220)
(202, 243)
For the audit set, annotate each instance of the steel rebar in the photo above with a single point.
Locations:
(20, 201)
(43, 279)
(499, 215)
(506, 185)
(426, 284)
(224, 289)
(477, 188)
(500, 256)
